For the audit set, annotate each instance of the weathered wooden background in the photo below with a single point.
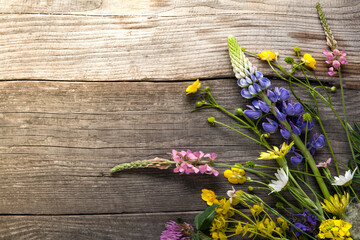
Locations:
(88, 84)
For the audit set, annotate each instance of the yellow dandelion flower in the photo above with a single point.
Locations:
(276, 153)
(267, 55)
(208, 196)
(336, 205)
(335, 229)
(235, 175)
(309, 60)
(193, 87)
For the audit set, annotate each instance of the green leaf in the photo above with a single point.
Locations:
(202, 236)
(203, 220)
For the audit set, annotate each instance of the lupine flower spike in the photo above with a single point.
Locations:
(333, 57)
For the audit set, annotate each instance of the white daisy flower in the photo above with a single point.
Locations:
(281, 182)
(344, 180)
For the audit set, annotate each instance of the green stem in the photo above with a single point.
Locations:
(223, 124)
(298, 142)
(345, 117)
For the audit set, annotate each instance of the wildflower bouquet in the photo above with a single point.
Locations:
(302, 212)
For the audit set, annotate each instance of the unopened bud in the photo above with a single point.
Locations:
(279, 205)
(239, 111)
(207, 89)
(199, 104)
(307, 117)
(250, 189)
(333, 89)
(289, 60)
(266, 135)
(211, 120)
(250, 164)
(297, 49)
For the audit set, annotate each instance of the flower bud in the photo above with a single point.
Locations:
(207, 89)
(199, 104)
(297, 49)
(250, 164)
(279, 205)
(250, 189)
(307, 117)
(289, 60)
(333, 89)
(239, 112)
(266, 135)
(211, 120)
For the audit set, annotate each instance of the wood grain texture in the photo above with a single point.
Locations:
(88, 227)
(163, 40)
(59, 140)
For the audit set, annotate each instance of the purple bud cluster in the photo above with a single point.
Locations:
(305, 222)
(252, 83)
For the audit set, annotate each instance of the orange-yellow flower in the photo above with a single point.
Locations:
(309, 60)
(267, 55)
(193, 87)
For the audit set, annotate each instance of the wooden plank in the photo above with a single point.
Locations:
(86, 227)
(58, 140)
(186, 42)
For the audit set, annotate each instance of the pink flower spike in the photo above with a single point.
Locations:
(342, 60)
(199, 154)
(328, 54)
(324, 164)
(336, 64)
(331, 71)
(182, 153)
(212, 156)
(343, 53)
(204, 168)
(336, 52)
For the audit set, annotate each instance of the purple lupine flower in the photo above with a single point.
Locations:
(295, 160)
(296, 130)
(316, 142)
(257, 109)
(177, 231)
(284, 132)
(282, 94)
(271, 126)
(305, 222)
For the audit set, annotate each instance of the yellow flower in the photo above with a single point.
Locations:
(336, 206)
(334, 229)
(193, 87)
(209, 197)
(218, 235)
(309, 60)
(235, 175)
(242, 229)
(276, 153)
(282, 223)
(256, 209)
(224, 208)
(267, 55)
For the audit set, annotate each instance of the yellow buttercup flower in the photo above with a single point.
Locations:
(267, 55)
(336, 205)
(335, 229)
(193, 87)
(235, 175)
(276, 153)
(309, 60)
(209, 197)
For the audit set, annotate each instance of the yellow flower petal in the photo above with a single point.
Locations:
(193, 87)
